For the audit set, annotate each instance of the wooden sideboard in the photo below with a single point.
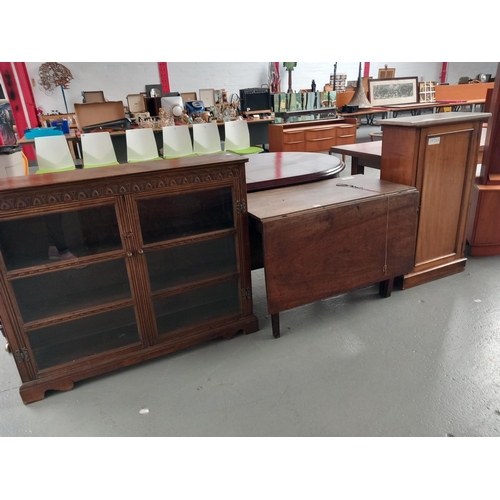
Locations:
(312, 136)
(438, 155)
(464, 92)
(161, 263)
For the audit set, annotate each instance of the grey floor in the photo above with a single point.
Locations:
(424, 362)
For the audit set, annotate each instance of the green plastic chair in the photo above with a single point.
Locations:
(97, 150)
(53, 154)
(141, 145)
(238, 138)
(206, 138)
(177, 142)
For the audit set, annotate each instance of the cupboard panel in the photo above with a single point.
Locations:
(25, 242)
(188, 263)
(61, 292)
(81, 338)
(185, 214)
(197, 306)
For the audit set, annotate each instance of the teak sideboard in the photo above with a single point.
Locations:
(312, 136)
(162, 264)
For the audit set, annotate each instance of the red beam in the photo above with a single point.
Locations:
(444, 70)
(163, 70)
(27, 93)
(366, 72)
(15, 96)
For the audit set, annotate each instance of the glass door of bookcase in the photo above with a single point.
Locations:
(189, 243)
(69, 276)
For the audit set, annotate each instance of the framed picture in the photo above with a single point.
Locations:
(386, 92)
(208, 97)
(154, 90)
(386, 72)
(427, 91)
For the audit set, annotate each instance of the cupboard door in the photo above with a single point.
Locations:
(189, 244)
(75, 308)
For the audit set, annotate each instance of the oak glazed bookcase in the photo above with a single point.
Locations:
(162, 264)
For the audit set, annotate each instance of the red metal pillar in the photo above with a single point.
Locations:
(163, 70)
(15, 78)
(366, 71)
(27, 93)
(444, 70)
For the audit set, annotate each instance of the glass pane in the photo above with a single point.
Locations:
(180, 215)
(188, 263)
(197, 306)
(61, 292)
(84, 337)
(26, 242)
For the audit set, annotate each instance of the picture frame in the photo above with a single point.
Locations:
(427, 91)
(156, 88)
(387, 92)
(207, 96)
(386, 72)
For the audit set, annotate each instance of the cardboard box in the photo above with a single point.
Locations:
(98, 112)
(136, 103)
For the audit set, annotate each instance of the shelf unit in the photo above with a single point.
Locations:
(438, 156)
(162, 264)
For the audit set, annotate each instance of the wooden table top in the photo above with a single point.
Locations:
(271, 170)
(366, 150)
(279, 202)
(373, 150)
(70, 137)
(364, 112)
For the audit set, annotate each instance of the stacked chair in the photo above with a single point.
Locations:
(97, 150)
(53, 154)
(238, 138)
(141, 145)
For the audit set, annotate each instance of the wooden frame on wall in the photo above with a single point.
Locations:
(386, 72)
(386, 92)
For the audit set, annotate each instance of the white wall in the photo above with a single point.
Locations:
(115, 79)
(470, 69)
(118, 79)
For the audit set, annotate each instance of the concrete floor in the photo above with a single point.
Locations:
(424, 362)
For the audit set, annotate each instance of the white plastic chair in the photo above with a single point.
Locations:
(177, 142)
(141, 145)
(238, 138)
(97, 150)
(206, 138)
(53, 154)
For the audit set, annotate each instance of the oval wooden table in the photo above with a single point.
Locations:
(272, 170)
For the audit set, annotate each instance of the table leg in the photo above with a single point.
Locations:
(275, 322)
(385, 288)
(356, 168)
